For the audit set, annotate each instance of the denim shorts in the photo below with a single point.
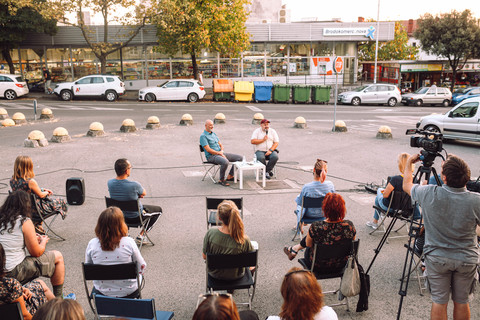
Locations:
(447, 275)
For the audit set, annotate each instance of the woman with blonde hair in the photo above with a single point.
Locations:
(60, 309)
(230, 238)
(22, 179)
(113, 246)
(303, 298)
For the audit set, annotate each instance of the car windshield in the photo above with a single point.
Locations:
(462, 90)
(161, 84)
(360, 88)
(422, 90)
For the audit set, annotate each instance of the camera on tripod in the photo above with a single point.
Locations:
(431, 142)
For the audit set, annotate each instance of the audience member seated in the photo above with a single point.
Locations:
(113, 246)
(23, 180)
(221, 307)
(230, 238)
(17, 233)
(333, 229)
(122, 189)
(303, 298)
(315, 189)
(30, 296)
(59, 309)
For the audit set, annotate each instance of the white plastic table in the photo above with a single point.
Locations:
(240, 167)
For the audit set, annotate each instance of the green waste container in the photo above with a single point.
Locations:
(281, 93)
(301, 93)
(222, 96)
(321, 94)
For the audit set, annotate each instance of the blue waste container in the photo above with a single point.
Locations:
(263, 90)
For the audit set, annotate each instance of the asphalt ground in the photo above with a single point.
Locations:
(167, 163)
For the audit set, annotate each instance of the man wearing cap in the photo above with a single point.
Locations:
(265, 140)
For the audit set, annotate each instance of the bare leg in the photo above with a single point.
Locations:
(461, 311)
(58, 276)
(439, 311)
(46, 289)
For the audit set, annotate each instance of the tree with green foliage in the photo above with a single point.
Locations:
(454, 35)
(18, 18)
(396, 49)
(190, 26)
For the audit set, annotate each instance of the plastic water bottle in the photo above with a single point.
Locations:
(254, 158)
(244, 160)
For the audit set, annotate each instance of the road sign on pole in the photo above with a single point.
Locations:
(338, 64)
(338, 67)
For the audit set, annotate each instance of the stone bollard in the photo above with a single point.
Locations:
(95, 130)
(219, 118)
(300, 123)
(384, 132)
(3, 114)
(35, 139)
(153, 122)
(47, 114)
(187, 120)
(19, 118)
(60, 135)
(8, 123)
(257, 117)
(128, 125)
(340, 126)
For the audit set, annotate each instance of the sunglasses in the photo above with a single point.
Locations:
(205, 296)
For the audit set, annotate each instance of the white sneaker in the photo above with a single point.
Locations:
(140, 239)
(372, 224)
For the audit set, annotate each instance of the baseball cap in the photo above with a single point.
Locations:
(264, 121)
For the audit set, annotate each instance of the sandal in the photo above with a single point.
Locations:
(290, 252)
(39, 229)
(223, 183)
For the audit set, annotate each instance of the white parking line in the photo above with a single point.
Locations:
(253, 108)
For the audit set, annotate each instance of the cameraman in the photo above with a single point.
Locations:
(451, 215)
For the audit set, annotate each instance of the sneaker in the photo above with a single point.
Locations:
(140, 240)
(267, 176)
(270, 173)
(372, 224)
(70, 296)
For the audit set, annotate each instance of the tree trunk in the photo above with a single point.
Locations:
(194, 65)
(103, 64)
(454, 78)
(6, 55)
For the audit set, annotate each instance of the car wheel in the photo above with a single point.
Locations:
(10, 94)
(392, 102)
(149, 97)
(66, 95)
(445, 103)
(432, 128)
(111, 96)
(356, 101)
(192, 97)
(419, 103)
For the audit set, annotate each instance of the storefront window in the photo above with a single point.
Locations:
(208, 67)
(299, 66)
(229, 68)
(182, 68)
(133, 70)
(256, 49)
(276, 50)
(276, 67)
(253, 67)
(299, 50)
(159, 69)
(322, 49)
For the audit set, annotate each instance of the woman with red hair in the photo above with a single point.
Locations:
(333, 229)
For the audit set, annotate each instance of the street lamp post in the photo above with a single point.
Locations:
(376, 43)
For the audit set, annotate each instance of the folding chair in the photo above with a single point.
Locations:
(418, 258)
(229, 261)
(43, 217)
(11, 311)
(128, 308)
(324, 253)
(307, 202)
(208, 166)
(132, 206)
(211, 209)
(400, 206)
(123, 271)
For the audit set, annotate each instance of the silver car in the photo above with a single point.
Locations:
(372, 94)
(428, 95)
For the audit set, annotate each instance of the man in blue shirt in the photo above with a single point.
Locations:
(122, 189)
(214, 153)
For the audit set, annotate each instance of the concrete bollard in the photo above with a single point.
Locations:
(300, 123)
(60, 135)
(186, 120)
(35, 139)
(19, 118)
(95, 130)
(128, 125)
(3, 114)
(384, 132)
(257, 117)
(340, 126)
(47, 114)
(8, 123)
(153, 122)
(219, 118)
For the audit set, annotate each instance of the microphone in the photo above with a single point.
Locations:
(266, 132)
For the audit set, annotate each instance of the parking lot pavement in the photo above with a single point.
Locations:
(166, 162)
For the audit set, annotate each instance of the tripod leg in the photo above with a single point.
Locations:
(382, 242)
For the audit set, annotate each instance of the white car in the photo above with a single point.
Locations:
(375, 93)
(428, 95)
(179, 89)
(108, 86)
(12, 86)
(461, 122)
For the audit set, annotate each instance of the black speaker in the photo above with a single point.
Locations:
(75, 191)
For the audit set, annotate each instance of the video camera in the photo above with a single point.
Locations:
(431, 142)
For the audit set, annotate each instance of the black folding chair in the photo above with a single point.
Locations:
(211, 209)
(128, 308)
(208, 166)
(45, 217)
(307, 203)
(11, 311)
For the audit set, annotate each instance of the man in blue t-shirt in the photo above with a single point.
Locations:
(122, 189)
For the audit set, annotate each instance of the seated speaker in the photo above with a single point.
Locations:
(75, 191)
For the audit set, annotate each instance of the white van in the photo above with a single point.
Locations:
(428, 95)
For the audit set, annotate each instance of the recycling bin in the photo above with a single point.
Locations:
(281, 93)
(301, 93)
(263, 90)
(222, 89)
(243, 90)
(321, 94)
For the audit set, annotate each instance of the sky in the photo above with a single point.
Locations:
(350, 10)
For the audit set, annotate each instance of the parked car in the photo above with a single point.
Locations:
(461, 122)
(12, 86)
(428, 95)
(372, 94)
(465, 93)
(108, 86)
(179, 89)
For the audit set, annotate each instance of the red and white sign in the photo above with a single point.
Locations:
(338, 64)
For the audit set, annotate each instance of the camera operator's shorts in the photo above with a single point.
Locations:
(447, 275)
(34, 267)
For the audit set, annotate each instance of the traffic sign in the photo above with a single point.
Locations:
(338, 64)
